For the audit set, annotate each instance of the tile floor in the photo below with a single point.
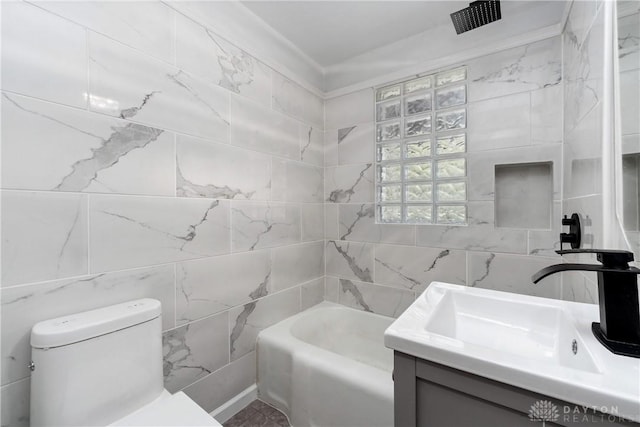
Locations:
(258, 414)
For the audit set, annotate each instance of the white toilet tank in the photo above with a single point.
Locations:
(95, 367)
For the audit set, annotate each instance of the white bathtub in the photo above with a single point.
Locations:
(328, 366)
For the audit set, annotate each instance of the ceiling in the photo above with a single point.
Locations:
(330, 32)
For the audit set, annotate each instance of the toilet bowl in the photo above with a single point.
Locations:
(104, 367)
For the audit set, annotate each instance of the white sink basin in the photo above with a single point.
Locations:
(535, 343)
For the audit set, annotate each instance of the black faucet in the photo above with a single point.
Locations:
(619, 327)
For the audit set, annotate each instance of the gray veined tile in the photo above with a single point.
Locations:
(349, 184)
(357, 222)
(15, 404)
(245, 322)
(312, 293)
(296, 264)
(533, 66)
(348, 110)
(211, 285)
(331, 285)
(312, 218)
(311, 144)
(134, 231)
(382, 300)
(297, 182)
(202, 52)
(349, 260)
(43, 55)
(51, 147)
(503, 122)
(512, 273)
(414, 268)
(629, 42)
(227, 382)
(205, 169)
(292, 99)
(331, 226)
(195, 350)
(24, 306)
(355, 144)
(480, 234)
(546, 115)
(263, 225)
(126, 84)
(44, 236)
(147, 26)
(258, 128)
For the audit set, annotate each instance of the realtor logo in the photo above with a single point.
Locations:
(543, 410)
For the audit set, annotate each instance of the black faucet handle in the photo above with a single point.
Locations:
(610, 258)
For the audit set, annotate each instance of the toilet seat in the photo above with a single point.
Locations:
(169, 410)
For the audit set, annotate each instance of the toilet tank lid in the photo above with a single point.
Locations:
(90, 324)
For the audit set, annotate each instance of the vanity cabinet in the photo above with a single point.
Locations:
(428, 394)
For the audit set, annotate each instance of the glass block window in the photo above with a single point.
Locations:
(421, 145)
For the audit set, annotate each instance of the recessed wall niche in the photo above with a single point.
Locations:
(524, 195)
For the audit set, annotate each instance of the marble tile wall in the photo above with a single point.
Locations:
(583, 65)
(515, 117)
(145, 156)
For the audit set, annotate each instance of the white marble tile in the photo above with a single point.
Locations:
(546, 115)
(297, 182)
(480, 234)
(512, 273)
(24, 306)
(44, 236)
(15, 404)
(590, 210)
(210, 285)
(580, 19)
(204, 53)
(312, 293)
(331, 226)
(582, 74)
(205, 169)
(499, 123)
(355, 143)
(330, 148)
(331, 285)
(583, 156)
(43, 55)
(481, 167)
(312, 218)
(248, 320)
(147, 26)
(259, 128)
(530, 67)
(578, 288)
(630, 101)
(51, 147)
(348, 110)
(296, 264)
(629, 42)
(382, 300)
(349, 184)
(130, 231)
(311, 144)
(350, 260)
(195, 350)
(358, 223)
(414, 268)
(546, 242)
(127, 84)
(290, 98)
(263, 225)
(224, 384)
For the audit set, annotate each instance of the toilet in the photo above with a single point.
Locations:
(104, 368)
